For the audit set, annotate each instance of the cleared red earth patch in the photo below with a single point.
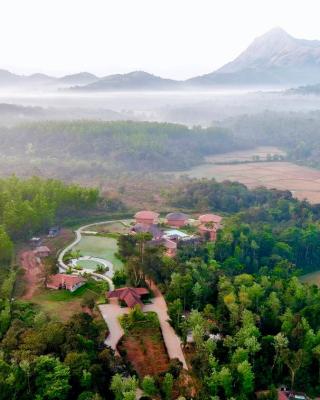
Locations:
(145, 351)
(32, 273)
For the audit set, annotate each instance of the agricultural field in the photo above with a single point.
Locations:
(101, 247)
(246, 155)
(303, 182)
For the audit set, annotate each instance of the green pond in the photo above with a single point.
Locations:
(101, 247)
(89, 264)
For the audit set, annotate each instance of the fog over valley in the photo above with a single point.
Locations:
(159, 200)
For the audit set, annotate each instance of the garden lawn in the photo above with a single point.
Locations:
(101, 247)
(62, 304)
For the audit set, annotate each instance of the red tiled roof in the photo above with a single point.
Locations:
(146, 214)
(131, 296)
(210, 218)
(69, 281)
(43, 249)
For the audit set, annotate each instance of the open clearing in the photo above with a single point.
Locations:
(313, 278)
(62, 304)
(303, 182)
(101, 247)
(145, 350)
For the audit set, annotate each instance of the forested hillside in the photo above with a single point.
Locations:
(94, 148)
(246, 320)
(269, 229)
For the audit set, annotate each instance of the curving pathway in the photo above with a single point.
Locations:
(112, 311)
(77, 239)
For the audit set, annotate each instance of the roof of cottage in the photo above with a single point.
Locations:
(131, 296)
(64, 279)
(43, 249)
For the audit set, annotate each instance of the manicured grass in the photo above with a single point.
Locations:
(112, 227)
(101, 247)
(62, 304)
(89, 264)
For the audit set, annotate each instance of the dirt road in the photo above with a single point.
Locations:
(32, 270)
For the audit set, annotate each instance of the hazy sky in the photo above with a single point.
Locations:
(172, 38)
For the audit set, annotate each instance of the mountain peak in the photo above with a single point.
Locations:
(276, 31)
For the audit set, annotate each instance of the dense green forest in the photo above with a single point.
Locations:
(268, 228)
(254, 325)
(93, 147)
(31, 206)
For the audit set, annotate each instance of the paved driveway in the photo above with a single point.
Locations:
(112, 311)
(171, 339)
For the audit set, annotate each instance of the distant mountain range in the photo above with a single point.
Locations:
(10, 80)
(273, 59)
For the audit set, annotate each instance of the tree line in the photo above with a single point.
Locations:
(31, 206)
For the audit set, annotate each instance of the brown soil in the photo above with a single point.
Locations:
(32, 274)
(146, 352)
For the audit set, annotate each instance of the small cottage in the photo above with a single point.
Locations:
(65, 281)
(42, 251)
(130, 295)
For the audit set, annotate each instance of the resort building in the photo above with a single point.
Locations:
(210, 218)
(153, 229)
(131, 296)
(169, 245)
(209, 225)
(177, 219)
(208, 231)
(146, 217)
(65, 281)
